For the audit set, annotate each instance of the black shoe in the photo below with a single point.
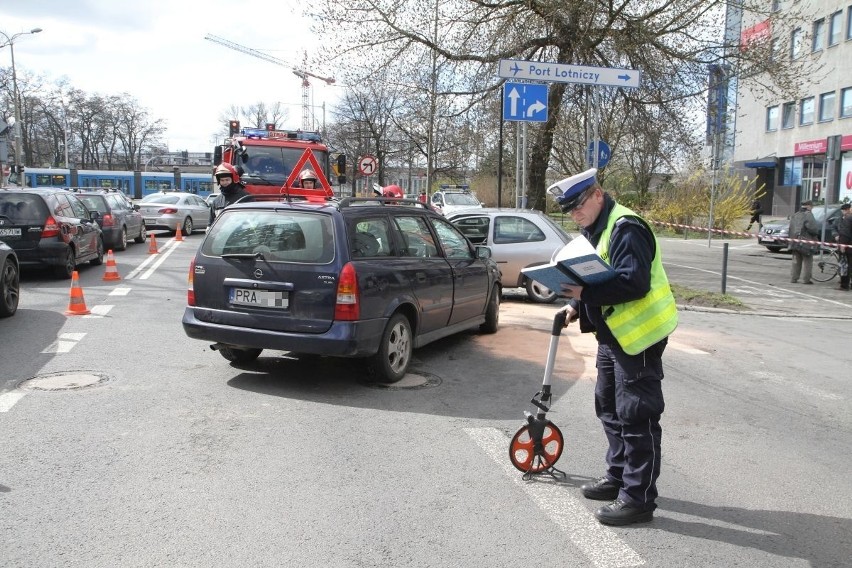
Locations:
(808, 282)
(602, 489)
(622, 513)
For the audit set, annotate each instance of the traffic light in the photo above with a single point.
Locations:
(341, 169)
(234, 127)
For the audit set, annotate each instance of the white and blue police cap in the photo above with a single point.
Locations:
(569, 191)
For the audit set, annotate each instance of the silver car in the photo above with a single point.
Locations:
(172, 209)
(518, 238)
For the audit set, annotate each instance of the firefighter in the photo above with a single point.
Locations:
(308, 179)
(229, 185)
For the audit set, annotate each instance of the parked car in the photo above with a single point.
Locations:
(172, 209)
(773, 234)
(117, 216)
(50, 227)
(10, 280)
(450, 200)
(518, 238)
(358, 278)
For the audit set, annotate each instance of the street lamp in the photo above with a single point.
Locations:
(10, 41)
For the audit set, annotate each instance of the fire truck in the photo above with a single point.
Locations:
(269, 161)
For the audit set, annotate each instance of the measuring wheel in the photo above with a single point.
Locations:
(523, 453)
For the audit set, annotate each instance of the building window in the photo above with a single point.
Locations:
(835, 28)
(772, 118)
(826, 107)
(806, 113)
(788, 115)
(819, 35)
(796, 43)
(846, 103)
(849, 23)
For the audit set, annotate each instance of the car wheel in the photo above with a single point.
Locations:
(540, 294)
(99, 259)
(239, 355)
(187, 227)
(143, 234)
(122, 240)
(66, 268)
(774, 249)
(10, 288)
(390, 364)
(492, 312)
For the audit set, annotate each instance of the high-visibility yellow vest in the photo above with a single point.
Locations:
(639, 324)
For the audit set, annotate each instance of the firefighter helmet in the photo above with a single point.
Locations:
(308, 175)
(225, 169)
(392, 191)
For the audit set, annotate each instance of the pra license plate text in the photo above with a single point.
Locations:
(259, 298)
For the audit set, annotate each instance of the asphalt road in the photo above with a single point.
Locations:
(176, 457)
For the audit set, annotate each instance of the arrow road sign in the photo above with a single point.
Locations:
(367, 165)
(525, 102)
(562, 73)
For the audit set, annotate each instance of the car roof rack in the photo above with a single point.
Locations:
(355, 201)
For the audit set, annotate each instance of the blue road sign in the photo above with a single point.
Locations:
(563, 73)
(525, 102)
(604, 154)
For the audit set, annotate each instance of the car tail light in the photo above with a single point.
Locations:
(167, 211)
(347, 307)
(51, 228)
(107, 220)
(190, 290)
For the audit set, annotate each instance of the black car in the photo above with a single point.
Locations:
(50, 227)
(10, 280)
(368, 278)
(117, 216)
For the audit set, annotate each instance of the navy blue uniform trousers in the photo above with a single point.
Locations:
(629, 402)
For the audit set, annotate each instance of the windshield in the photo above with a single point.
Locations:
(460, 199)
(271, 165)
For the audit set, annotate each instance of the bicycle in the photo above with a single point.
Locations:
(825, 270)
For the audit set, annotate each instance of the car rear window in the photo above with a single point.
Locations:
(94, 203)
(284, 236)
(161, 198)
(21, 208)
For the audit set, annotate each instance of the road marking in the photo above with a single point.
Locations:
(120, 291)
(599, 543)
(683, 348)
(8, 400)
(99, 311)
(151, 258)
(65, 343)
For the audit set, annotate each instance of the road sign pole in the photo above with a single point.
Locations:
(500, 151)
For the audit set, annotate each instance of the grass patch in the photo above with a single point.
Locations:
(692, 297)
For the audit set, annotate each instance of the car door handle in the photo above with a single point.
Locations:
(420, 276)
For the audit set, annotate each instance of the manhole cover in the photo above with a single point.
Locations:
(64, 381)
(412, 380)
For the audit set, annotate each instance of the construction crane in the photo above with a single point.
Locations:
(302, 74)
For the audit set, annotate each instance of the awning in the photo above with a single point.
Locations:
(762, 164)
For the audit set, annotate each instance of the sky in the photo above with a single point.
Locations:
(155, 51)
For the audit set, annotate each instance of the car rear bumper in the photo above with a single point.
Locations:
(45, 254)
(342, 339)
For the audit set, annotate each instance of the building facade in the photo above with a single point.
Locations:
(800, 149)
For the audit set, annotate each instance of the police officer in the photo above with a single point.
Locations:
(229, 185)
(632, 316)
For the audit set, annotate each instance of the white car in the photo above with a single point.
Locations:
(172, 209)
(450, 201)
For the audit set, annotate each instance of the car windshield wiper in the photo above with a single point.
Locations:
(245, 255)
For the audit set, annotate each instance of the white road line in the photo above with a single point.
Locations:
(683, 348)
(161, 260)
(599, 543)
(8, 400)
(120, 291)
(99, 311)
(65, 343)
(151, 258)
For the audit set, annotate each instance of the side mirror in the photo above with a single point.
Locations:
(217, 155)
(94, 215)
(241, 170)
(136, 207)
(483, 252)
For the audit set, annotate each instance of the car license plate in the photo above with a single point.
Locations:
(260, 298)
(16, 232)
(767, 239)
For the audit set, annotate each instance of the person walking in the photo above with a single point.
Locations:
(756, 212)
(844, 237)
(631, 316)
(803, 227)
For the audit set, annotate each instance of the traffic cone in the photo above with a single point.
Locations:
(111, 269)
(77, 304)
(152, 244)
(178, 235)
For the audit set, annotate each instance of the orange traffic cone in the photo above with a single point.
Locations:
(77, 304)
(178, 235)
(111, 269)
(152, 245)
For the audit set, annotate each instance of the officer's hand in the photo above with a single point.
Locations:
(570, 314)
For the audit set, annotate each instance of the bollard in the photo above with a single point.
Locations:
(724, 268)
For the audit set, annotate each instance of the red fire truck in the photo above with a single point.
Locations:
(269, 161)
